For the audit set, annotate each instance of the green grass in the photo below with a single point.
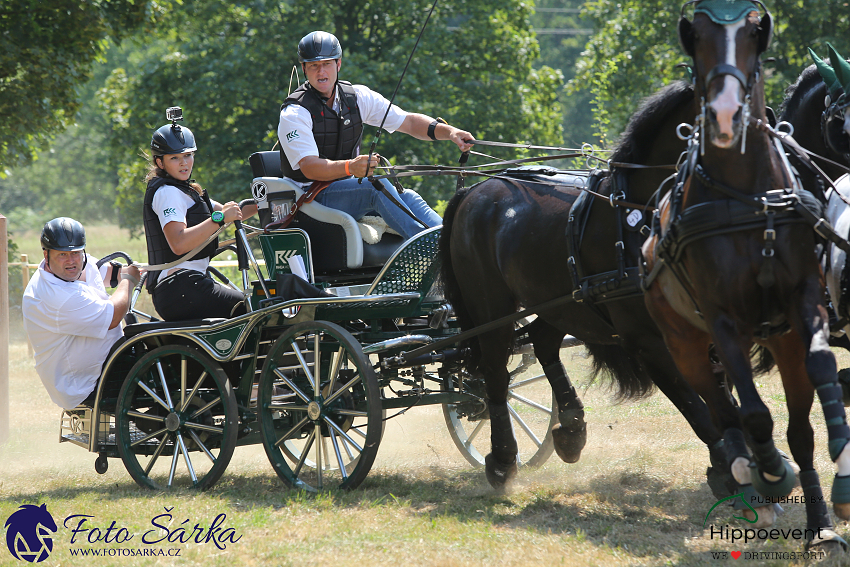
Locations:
(637, 497)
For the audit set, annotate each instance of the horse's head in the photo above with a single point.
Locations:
(725, 40)
(835, 123)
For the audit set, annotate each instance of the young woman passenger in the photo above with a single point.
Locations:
(179, 216)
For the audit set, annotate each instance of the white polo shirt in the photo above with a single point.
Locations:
(295, 129)
(68, 326)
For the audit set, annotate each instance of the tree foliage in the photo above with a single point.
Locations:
(229, 65)
(635, 50)
(47, 48)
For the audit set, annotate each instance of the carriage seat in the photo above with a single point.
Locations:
(335, 237)
(138, 328)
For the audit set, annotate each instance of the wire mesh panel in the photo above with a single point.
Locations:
(414, 267)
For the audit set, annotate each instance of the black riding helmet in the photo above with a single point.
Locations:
(318, 46)
(63, 234)
(172, 138)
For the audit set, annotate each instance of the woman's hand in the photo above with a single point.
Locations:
(231, 211)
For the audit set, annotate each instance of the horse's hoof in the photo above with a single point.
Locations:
(568, 444)
(841, 510)
(827, 541)
(722, 484)
(766, 516)
(499, 475)
(779, 488)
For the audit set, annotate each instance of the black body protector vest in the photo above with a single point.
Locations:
(337, 135)
(159, 252)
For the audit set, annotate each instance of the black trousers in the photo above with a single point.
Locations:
(189, 294)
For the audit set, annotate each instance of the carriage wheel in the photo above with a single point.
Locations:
(533, 410)
(320, 408)
(176, 419)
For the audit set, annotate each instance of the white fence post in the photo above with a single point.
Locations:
(4, 332)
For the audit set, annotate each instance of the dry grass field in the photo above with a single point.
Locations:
(637, 497)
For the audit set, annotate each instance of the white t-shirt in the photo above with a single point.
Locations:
(68, 326)
(171, 204)
(296, 125)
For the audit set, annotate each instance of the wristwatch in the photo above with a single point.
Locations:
(218, 217)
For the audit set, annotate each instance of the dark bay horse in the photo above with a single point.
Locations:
(730, 262)
(509, 243)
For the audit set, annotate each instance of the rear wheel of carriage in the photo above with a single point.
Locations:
(531, 404)
(176, 419)
(319, 408)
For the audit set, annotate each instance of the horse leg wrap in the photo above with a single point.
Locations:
(504, 447)
(734, 444)
(570, 436)
(817, 514)
(832, 402)
(564, 392)
(500, 466)
(768, 460)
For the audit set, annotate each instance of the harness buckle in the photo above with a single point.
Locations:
(769, 235)
(612, 197)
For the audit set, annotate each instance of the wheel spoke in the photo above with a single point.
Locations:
(317, 431)
(358, 432)
(174, 459)
(330, 399)
(343, 434)
(527, 382)
(297, 352)
(336, 361)
(203, 427)
(148, 437)
(286, 435)
(524, 426)
(153, 394)
(351, 412)
(164, 385)
(194, 391)
(187, 458)
(342, 470)
(317, 365)
(304, 452)
(200, 444)
(156, 455)
(133, 413)
(535, 405)
(478, 427)
(199, 411)
(184, 369)
(292, 386)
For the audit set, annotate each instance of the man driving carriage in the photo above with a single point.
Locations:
(69, 318)
(321, 126)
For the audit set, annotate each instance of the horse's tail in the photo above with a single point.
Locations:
(451, 288)
(612, 362)
(763, 361)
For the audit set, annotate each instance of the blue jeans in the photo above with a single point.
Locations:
(358, 199)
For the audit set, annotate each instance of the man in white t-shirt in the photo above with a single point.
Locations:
(69, 318)
(321, 126)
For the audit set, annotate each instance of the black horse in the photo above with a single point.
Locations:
(731, 262)
(514, 242)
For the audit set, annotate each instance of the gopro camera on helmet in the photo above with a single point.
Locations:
(174, 113)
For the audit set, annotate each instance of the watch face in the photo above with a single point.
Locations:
(217, 216)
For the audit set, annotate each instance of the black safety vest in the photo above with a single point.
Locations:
(159, 252)
(337, 135)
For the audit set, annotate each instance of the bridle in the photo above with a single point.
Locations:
(832, 127)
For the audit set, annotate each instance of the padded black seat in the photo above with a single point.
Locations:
(136, 328)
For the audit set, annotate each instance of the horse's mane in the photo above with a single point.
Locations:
(794, 94)
(631, 146)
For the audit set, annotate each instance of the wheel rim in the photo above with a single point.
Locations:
(319, 433)
(176, 419)
(530, 403)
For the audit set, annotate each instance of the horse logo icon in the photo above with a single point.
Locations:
(28, 533)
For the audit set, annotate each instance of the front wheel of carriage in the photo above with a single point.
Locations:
(531, 405)
(176, 419)
(319, 408)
